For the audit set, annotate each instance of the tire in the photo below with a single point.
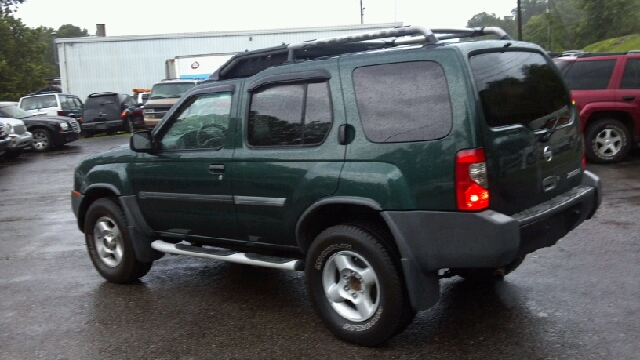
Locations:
(87, 134)
(352, 265)
(41, 140)
(607, 141)
(109, 244)
(12, 154)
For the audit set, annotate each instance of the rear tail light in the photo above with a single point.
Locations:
(60, 113)
(123, 115)
(80, 119)
(472, 184)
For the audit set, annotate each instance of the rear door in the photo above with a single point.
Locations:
(290, 156)
(629, 91)
(532, 139)
(101, 108)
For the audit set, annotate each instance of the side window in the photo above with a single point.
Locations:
(202, 124)
(403, 102)
(589, 74)
(631, 76)
(129, 102)
(48, 101)
(65, 103)
(289, 115)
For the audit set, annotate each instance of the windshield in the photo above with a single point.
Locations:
(12, 111)
(168, 90)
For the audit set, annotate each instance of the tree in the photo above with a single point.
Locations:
(604, 19)
(71, 31)
(484, 19)
(22, 64)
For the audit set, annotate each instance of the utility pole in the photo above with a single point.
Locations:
(549, 24)
(362, 13)
(519, 21)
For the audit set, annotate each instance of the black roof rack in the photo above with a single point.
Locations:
(250, 63)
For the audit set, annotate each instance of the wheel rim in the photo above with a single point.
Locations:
(40, 141)
(351, 286)
(608, 142)
(108, 241)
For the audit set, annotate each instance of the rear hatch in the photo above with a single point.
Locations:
(99, 108)
(531, 131)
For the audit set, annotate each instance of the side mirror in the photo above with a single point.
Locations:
(141, 141)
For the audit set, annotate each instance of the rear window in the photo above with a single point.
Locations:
(169, 90)
(99, 101)
(38, 102)
(518, 87)
(589, 74)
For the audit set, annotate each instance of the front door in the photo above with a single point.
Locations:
(184, 191)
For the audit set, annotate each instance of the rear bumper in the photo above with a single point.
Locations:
(151, 122)
(438, 240)
(103, 125)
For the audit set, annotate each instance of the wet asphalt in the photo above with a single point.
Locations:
(577, 300)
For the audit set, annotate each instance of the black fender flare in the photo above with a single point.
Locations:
(423, 288)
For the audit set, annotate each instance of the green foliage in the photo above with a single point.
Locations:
(570, 24)
(484, 19)
(22, 64)
(622, 44)
(71, 31)
(604, 19)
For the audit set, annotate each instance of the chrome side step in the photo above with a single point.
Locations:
(228, 255)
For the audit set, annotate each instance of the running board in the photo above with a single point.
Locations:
(229, 255)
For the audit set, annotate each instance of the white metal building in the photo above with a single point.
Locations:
(122, 63)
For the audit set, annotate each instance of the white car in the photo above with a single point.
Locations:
(19, 137)
(53, 104)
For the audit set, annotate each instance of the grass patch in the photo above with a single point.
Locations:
(616, 45)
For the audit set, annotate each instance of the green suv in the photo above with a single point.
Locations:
(377, 163)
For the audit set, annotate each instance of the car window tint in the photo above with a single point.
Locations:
(317, 114)
(65, 102)
(48, 101)
(403, 102)
(631, 76)
(202, 124)
(518, 87)
(275, 116)
(589, 74)
(39, 102)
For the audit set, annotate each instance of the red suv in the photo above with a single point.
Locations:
(606, 90)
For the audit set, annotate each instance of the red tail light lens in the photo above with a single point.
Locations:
(123, 115)
(472, 193)
(60, 113)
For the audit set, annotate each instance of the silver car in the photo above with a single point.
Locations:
(19, 137)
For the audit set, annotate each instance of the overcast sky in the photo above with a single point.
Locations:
(143, 17)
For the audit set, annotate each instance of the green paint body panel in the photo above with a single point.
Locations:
(300, 175)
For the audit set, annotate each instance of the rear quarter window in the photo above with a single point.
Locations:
(403, 102)
(589, 74)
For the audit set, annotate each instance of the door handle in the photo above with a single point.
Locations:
(216, 168)
(628, 98)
